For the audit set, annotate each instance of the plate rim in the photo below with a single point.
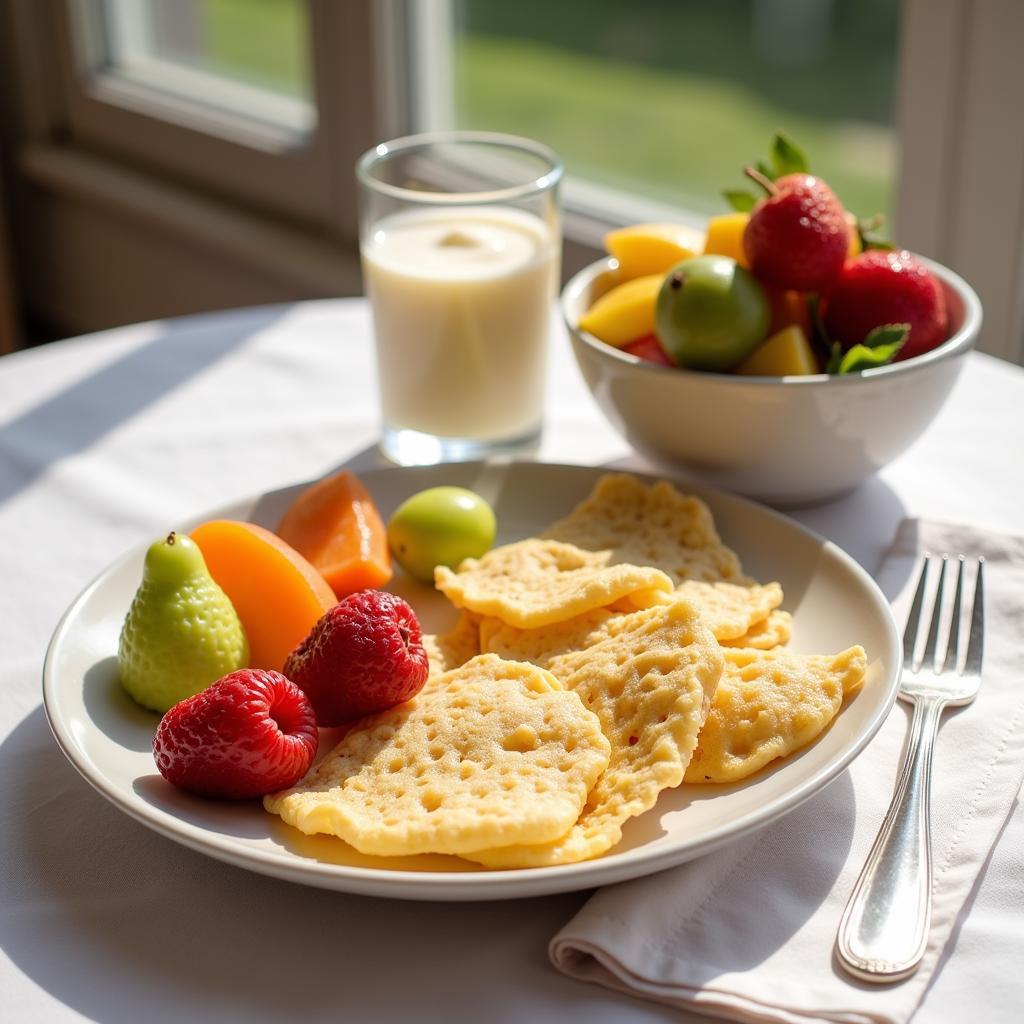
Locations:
(474, 884)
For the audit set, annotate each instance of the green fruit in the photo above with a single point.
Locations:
(181, 632)
(711, 313)
(440, 526)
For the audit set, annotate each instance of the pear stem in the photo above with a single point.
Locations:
(171, 538)
(766, 183)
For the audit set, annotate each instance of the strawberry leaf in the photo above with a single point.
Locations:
(739, 199)
(868, 232)
(860, 357)
(887, 334)
(787, 156)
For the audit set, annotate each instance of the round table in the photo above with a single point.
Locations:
(104, 442)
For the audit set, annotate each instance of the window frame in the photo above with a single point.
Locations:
(244, 159)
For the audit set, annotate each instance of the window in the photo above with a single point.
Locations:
(668, 100)
(234, 125)
(247, 58)
(261, 101)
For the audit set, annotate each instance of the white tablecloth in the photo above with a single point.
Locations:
(104, 442)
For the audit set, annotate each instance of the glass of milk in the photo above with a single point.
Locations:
(461, 246)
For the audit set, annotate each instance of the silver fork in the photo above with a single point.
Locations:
(884, 929)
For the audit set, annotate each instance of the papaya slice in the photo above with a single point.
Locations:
(277, 594)
(335, 525)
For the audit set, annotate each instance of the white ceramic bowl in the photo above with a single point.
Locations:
(784, 440)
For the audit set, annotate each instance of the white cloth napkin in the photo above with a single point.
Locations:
(747, 933)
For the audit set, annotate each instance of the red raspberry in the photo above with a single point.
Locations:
(797, 238)
(364, 655)
(648, 347)
(887, 288)
(250, 733)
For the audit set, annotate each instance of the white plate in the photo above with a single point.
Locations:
(834, 604)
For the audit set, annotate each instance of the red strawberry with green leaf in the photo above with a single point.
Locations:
(798, 235)
(880, 288)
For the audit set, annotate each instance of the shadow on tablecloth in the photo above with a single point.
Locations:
(76, 417)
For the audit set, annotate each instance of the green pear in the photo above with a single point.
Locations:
(181, 632)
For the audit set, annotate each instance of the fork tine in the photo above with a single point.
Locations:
(914, 618)
(975, 645)
(928, 658)
(953, 644)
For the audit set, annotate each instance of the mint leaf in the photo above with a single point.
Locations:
(860, 357)
(740, 200)
(887, 334)
(787, 156)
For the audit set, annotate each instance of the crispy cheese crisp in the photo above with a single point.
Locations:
(542, 645)
(539, 582)
(446, 651)
(649, 524)
(771, 632)
(733, 613)
(731, 610)
(649, 677)
(490, 754)
(768, 704)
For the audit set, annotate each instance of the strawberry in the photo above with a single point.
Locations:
(250, 733)
(364, 655)
(798, 235)
(887, 288)
(649, 348)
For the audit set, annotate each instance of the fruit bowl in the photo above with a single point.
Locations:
(783, 440)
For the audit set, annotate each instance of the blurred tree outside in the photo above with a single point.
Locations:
(671, 98)
(665, 98)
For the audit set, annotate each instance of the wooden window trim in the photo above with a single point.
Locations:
(243, 162)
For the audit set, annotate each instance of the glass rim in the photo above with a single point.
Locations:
(422, 140)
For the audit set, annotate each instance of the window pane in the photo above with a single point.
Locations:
(670, 98)
(244, 56)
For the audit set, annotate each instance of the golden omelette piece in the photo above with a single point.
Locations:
(649, 524)
(768, 704)
(536, 583)
(649, 677)
(446, 651)
(771, 632)
(490, 754)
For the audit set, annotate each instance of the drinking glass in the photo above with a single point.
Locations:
(461, 243)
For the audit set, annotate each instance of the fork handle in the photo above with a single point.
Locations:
(884, 929)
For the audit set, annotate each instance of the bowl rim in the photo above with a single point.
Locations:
(956, 344)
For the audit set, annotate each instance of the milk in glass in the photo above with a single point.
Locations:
(461, 302)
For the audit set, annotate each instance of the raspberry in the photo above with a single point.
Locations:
(250, 733)
(797, 237)
(887, 288)
(364, 655)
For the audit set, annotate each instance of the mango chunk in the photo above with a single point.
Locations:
(786, 353)
(624, 314)
(854, 248)
(644, 249)
(725, 236)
